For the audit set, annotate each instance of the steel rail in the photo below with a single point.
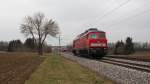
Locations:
(134, 66)
(139, 67)
(129, 58)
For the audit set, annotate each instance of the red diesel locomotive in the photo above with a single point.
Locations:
(92, 42)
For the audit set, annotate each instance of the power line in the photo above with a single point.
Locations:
(110, 12)
(130, 17)
(113, 10)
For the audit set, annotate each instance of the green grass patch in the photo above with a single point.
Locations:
(59, 70)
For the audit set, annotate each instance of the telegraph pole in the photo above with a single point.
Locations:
(59, 45)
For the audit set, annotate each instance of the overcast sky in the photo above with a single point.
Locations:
(119, 18)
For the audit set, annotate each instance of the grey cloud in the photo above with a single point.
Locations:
(75, 16)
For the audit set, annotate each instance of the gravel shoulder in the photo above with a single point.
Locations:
(119, 74)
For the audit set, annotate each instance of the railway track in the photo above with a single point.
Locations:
(133, 58)
(139, 65)
(122, 71)
(132, 63)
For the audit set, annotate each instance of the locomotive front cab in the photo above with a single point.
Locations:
(97, 43)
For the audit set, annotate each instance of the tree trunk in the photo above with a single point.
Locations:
(40, 49)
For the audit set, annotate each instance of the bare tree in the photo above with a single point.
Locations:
(39, 28)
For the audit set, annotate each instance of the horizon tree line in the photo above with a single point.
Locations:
(30, 45)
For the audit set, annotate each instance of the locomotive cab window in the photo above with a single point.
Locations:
(102, 35)
(93, 36)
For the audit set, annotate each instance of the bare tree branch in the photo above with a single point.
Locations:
(39, 27)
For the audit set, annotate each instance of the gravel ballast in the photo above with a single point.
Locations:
(119, 74)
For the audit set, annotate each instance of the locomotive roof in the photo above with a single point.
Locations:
(89, 30)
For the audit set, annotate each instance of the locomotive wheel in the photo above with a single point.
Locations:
(96, 53)
(74, 52)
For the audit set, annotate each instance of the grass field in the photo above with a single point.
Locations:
(58, 70)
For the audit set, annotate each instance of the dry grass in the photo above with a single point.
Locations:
(58, 70)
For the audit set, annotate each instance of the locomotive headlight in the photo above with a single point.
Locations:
(95, 44)
(103, 44)
(98, 44)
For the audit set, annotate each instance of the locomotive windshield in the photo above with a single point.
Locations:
(97, 35)
(93, 36)
(102, 35)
